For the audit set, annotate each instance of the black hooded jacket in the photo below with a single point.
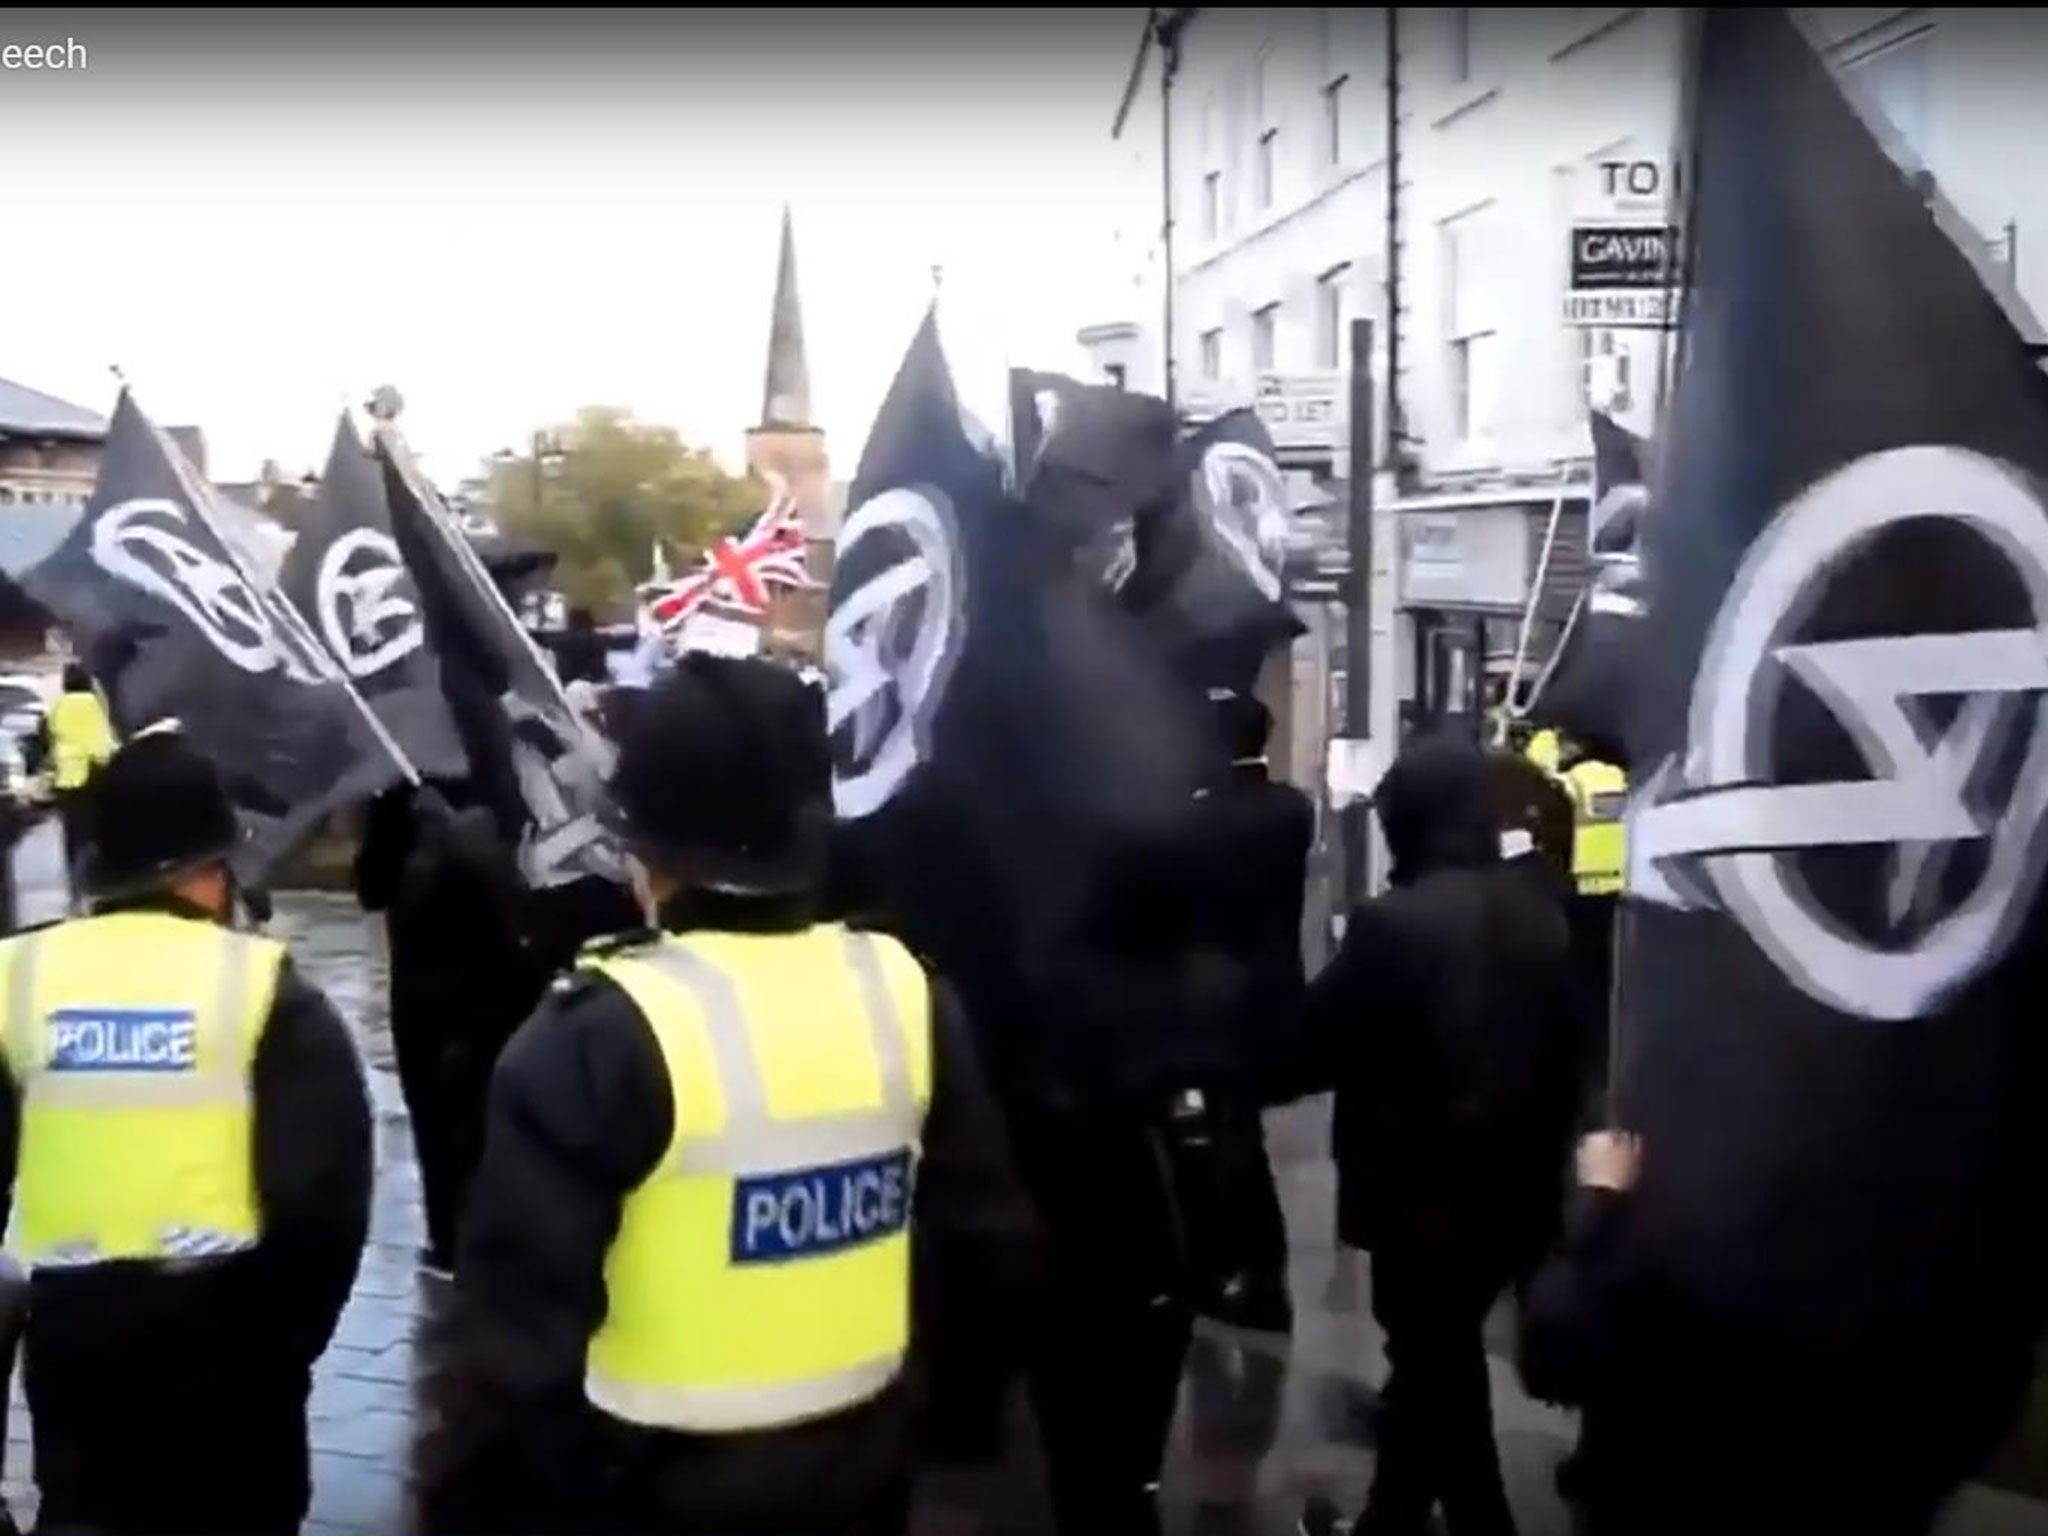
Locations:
(1445, 1024)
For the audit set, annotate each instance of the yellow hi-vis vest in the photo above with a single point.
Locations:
(130, 1037)
(81, 738)
(1599, 835)
(761, 1274)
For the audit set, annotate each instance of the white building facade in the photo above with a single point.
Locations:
(1514, 125)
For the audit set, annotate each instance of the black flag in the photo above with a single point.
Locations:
(1831, 1000)
(1585, 687)
(1190, 532)
(996, 718)
(346, 576)
(1211, 560)
(539, 767)
(1096, 461)
(173, 624)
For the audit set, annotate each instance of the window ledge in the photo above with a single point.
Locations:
(1464, 105)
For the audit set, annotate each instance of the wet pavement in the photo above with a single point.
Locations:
(1257, 1433)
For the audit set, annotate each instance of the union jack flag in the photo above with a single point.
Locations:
(739, 572)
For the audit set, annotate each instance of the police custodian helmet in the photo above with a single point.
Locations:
(724, 777)
(156, 810)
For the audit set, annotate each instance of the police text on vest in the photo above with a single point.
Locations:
(813, 1211)
(123, 1040)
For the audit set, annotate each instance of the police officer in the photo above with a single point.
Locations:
(185, 1136)
(684, 1287)
(80, 739)
(1599, 794)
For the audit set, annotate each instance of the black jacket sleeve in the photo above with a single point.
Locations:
(579, 1114)
(977, 1247)
(1579, 1308)
(385, 845)
(1330, 1039)
(313, 1159)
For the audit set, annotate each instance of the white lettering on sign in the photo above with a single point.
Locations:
(123, 1040)
(1633, 178)
(817, 1211)
(1622, 247)
(1645, 309)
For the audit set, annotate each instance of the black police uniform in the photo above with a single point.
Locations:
(723, 758)
(176, 1401)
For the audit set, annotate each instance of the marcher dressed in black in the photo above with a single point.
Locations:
(189, 1255)
(1116, 1106)
(460, 981)
(1446, 1025)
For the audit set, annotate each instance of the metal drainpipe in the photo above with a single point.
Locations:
(1397, 434)
(1168, 29)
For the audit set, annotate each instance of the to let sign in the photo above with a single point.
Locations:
(1301, 410)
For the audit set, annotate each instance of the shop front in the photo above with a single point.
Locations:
(1469, 563)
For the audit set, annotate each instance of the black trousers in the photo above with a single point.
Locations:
(71, 817)
(444, 1076)
(1436, 1427)
(1109, 1348)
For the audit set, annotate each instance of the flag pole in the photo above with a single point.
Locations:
(384, 431)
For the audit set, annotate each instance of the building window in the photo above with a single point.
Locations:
(1333, 120)
(1265, 328)
(1475, 364)
(1469, 295)
(1331, 329)
(1897, 80)
(1606, 372)
(1267, 150)
(1460, 27)
(1212, 355)
(1212, 205)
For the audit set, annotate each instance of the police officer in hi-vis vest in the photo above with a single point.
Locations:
(186, 1141)
(1599, 797)
(683, 1293)
(78, 739)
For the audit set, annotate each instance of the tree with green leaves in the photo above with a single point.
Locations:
(601, 490)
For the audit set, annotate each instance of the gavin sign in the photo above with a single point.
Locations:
(1609, 256)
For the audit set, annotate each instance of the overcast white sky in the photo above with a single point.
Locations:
(263, 215)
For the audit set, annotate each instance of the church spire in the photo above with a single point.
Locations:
(786, 400)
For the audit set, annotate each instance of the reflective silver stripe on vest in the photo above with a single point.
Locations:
(753, 1140)
(201, 1243)
(227, 1081)
(890, 1055)
(729, 1410)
